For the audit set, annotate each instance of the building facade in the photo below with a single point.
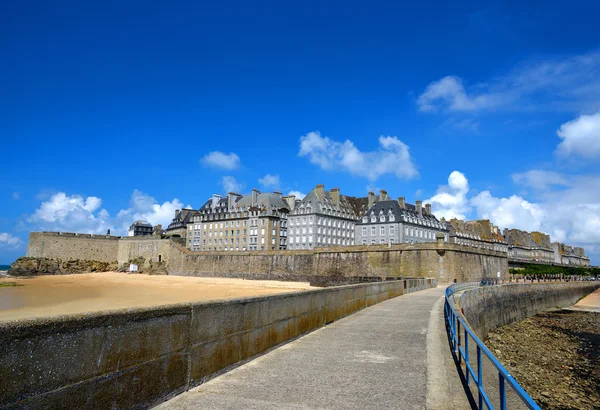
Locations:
(478, 234)
(240, 223)
(389, 222)
(569, 255)
(179, 224)
(140, 228)
(325, 218)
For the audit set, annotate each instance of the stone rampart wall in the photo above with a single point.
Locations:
(70, 246)
(446, 262)
(490, 307)
(135, 358)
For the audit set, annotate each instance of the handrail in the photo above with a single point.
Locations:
(454, 321)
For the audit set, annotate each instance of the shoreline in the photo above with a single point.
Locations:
(52, 295)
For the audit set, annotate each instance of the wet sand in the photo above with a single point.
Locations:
(44, 296)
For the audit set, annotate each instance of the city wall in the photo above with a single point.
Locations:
(490, 307)
(69, 246)
(446, 262)
(135, 358)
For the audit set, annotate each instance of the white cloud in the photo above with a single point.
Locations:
(451, 201)
(74, 213)
(230, 184)
(540, 179)
(581, 137)
(217, 159)
(560, 84)
(16, 196)
(512, 212)
(9, 241)
(297, 194)
(448, 91)
(270, 181)
(146, 208)
(392, 157)
(69, 213)
(570, 214)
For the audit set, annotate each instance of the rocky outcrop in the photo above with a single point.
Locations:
(46, 266)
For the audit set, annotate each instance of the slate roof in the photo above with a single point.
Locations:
(391, 205)
(321, 202)
(182, 218)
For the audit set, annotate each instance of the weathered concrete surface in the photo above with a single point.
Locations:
(490, 307)
(134, 357)
(375, 359)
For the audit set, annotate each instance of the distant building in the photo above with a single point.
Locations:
(158, 230)
(389, 222)
(478, 234)
(178, 226)
(140, 228)
(240, 223)
(324, 218)
(569, 255)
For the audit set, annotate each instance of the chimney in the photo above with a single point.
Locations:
(335, 196)
(320, 190)
(291, 201)
(176, 213)
(231, 197)
(215, 200)
(428, 209)
(401, 202)
(419, 208)
(255, 193)
(371, 199)
(383, 195)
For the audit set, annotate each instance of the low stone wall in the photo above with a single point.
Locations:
(138, 357)
(490, 307)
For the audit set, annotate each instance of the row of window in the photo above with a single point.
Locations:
(336, 223)
(382, 230)
(321, 240)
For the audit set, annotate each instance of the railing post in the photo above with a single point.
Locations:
(458, 340)
(467, 356)
(479, 377)
(502, 391)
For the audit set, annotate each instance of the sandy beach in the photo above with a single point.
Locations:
(67, 294)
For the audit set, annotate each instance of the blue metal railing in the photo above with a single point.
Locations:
(455, 321)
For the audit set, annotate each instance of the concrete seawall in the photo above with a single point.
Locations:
(137, 357)
(490, 307)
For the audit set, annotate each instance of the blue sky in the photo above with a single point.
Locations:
(116, 111)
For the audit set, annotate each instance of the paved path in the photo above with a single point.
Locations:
(375, 359)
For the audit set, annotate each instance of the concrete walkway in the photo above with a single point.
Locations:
(375, 359)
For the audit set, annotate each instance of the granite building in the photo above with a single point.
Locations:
(325, 218)
(239, 223)
(478, 234)
(389, 222)
(140, 228)
(178, 226)
(569, 255)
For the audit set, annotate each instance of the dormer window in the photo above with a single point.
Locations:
(365, 219)
(392, 217)
(381, 218)
(373, 218)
